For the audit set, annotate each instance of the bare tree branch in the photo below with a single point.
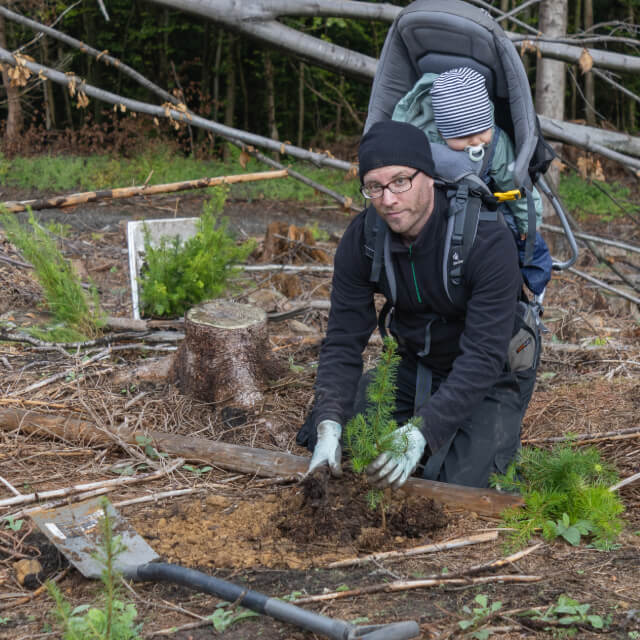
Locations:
(501, 15)
(521, 7)
(605, 286)
(617, 85)
(257, 20)
(104, 10)
(39, 35)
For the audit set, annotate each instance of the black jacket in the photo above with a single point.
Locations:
(468, 345)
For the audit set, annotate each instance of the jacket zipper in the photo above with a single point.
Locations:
(415, 280)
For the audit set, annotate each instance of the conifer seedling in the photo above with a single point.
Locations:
(368, 435)
(566, 494)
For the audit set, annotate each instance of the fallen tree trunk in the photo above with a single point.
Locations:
(238, 458)
(583, 136)
(144, 190)
(174, 114)
(553, 128)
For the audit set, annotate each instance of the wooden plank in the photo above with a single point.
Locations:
(238, 458)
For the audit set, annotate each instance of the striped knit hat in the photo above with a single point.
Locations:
(461, 105)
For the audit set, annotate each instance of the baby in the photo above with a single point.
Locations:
(463, 114)
(454, 108)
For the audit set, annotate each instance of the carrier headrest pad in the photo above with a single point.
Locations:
(389, 143)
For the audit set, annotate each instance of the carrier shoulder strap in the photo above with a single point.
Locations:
(464, 214)
(378, 248)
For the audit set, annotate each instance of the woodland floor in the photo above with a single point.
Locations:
(263, 534)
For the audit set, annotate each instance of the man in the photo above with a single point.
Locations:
(470, 404)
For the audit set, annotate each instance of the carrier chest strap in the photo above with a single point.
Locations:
(531, 228)
(488, 157)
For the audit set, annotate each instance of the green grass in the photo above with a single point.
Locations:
(584, 198)
(63, 174)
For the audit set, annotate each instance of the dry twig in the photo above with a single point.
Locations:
(79, 488)
(405, 585)
(429, 548)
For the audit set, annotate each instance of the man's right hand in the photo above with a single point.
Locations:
(328, 449)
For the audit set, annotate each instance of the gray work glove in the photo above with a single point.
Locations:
(389, 470)
(328, 449)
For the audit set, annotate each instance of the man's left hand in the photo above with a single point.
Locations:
(389, 470)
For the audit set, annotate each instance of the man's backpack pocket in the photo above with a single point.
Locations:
(524, 346)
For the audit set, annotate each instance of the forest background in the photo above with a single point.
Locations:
(228, 77)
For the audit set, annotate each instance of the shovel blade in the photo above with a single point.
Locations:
(76, 531)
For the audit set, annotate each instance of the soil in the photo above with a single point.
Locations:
(276, 536)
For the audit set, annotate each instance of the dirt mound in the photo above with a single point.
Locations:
(309, 524)
(339, 512)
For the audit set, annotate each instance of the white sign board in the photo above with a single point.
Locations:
(184, 228)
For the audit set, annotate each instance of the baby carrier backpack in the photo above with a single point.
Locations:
(434, 36)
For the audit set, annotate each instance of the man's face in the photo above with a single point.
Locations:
(406, 213)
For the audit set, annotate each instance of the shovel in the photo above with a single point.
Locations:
(75, 531)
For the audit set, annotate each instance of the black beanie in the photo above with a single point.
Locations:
(389, 143)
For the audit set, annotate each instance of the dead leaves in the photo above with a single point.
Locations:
(169, 108)
(83, 101)
(529, 45)
(76, 88)
(586, 61)
(20, 73)
(590, 168)
(243, 159)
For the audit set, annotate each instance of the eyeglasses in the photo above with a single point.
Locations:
(397, 185)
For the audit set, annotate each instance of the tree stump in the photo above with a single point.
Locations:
(225, 355)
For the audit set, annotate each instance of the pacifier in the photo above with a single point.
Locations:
(476, 152)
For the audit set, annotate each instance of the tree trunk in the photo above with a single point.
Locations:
(504, 7)
(271, 99)
(47, 90)
(207, 62)
(225, 355)
(258, 462)
(230, 100)
(164, 51)
(339, 109)
(14, 115)
(575, 70)
(550, 75)
(65, 94)
(243, 86)
(301, 71)
(589, 80)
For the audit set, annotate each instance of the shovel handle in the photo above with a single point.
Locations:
(333, 628)
(394, 631)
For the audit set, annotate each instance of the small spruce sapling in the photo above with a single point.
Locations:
(566, 494)
(370, 434)
(115, 619)
(176, 276)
